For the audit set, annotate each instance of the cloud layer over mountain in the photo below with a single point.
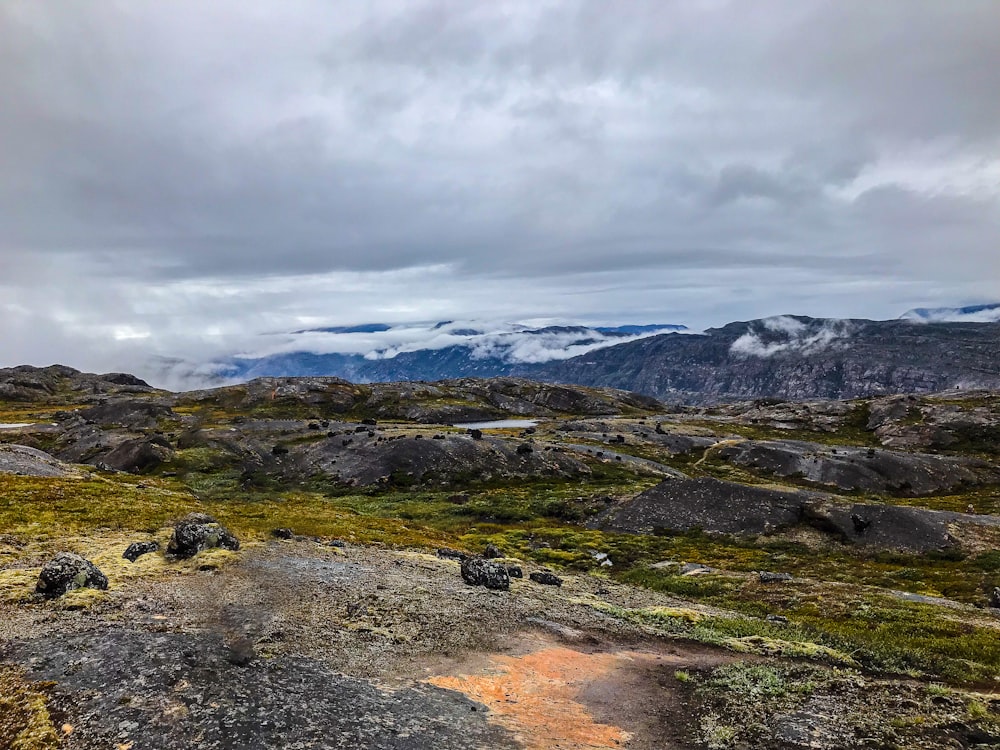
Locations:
(177, 178)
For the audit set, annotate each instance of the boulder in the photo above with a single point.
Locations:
(137, 549)
(995, 597)
(492, 552)
(196, 532)
(765, 577)
(283, 533)
(68, 571)
(546, 578)
(447, 553)
(139, 455)
(514, 571)
(479, 572)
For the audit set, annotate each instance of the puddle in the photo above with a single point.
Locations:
(498, 424)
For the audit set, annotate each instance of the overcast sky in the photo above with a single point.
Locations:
(176, 177)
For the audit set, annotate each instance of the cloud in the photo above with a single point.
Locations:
(783, 334)
(971, 314)
(196, 174)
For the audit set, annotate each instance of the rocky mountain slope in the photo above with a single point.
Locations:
(794, 358)
(315, 563)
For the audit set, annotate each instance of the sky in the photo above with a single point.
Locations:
(178, 178)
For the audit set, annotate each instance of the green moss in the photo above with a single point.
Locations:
(25, 722)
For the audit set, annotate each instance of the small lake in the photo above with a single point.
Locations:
(498, 424)
(14, 425)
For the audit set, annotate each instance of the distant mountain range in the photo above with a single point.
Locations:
(377, 352)
(790, 357)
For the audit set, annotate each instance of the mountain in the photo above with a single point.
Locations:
(794, 357)
(447, 349)
(968, 314)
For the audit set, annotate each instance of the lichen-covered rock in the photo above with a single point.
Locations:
(479, 572)
(196, 532)
(137, 549)
(546, 578)
(68, 571)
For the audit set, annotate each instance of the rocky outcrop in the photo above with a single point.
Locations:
(30, 462)
(138, 455)
(68, 571)
(133, 414)
(715, 506)
(198, 531)
(864, 469)
(60, 384)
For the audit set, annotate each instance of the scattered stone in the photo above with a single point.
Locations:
(198, 531)
(995, 597)
(137, 549)
(546, 578)
(476, 434)
(860, 523)
(279, 450)
(283, 533)
(492, 552)
(777, 619)
(479, 572)
(340, 543)
(524, 449)
(68, 571)
(766, 577)
(447, 553)
(369, 421)
(695, 569)
(514, 571)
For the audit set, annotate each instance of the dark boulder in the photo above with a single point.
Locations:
(995, 597)
(476, 434)
(546, 578)
(283, 533)
(68, 571)
(492, 552)
(196, 532)
(514, 571)
(139, 455)
(479, 572)
(446, 553)
(138, 549)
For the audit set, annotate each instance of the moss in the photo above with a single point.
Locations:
(25, 721)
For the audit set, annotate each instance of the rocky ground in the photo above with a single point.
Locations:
(759, 575)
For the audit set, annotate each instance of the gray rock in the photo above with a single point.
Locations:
(479, 572)
(447, 553)
(766, 577)
(196, 532)
(995, 597)
(492, 552)
(514, 571)
(139, 455)
(137, 549)
(68, 571)
(29, 462)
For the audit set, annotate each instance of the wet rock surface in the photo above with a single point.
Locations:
(179, 691)
(68, 571)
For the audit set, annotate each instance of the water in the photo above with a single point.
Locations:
(14, 425)
(498, 424)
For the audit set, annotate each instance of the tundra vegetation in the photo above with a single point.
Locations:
(878, 518)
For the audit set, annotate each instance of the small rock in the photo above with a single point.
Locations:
(524, 449)
(777, 619)
(137, 549)
(476, 434)
(67, 571)
(995, 597)
(514, 571)
(369, 421)
(337, 543)
(546, 578)
(492, 552)
(196, 532)
(451, 554)
(479, 572)
(695, 569)
(279, 450)
(283, 533)
(766, 577)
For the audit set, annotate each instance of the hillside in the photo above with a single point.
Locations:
(794, 357)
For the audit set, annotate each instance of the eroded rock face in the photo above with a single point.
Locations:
(68, 571)
(479, 572)
(198, 531)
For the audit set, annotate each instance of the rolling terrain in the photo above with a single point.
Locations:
(367, 568)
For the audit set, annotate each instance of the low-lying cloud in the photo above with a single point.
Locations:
(786, 335)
